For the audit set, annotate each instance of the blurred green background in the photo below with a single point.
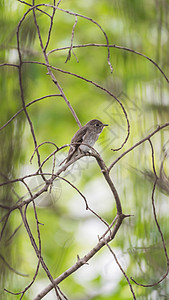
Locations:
(68, 228)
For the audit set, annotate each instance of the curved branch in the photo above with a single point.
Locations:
(117, 47)
(82, 261)
(157, 224)
(22, 91)
(106, 175)
(159, 127)
(85, 200)
(124, 273)
(95, 84)
(27, 105)
(76, 15)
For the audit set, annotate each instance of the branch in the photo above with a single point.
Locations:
(106, 175)
(120, 267)
(27, 105)
(49, 69)
(76, 15)
(22, 91)
(159, 127)
(71, 45)
(12, 269)
(51, 25)
(37, 251)
(96, 85)
(81, 261)
(87, 206)
(157, 224)
(117, 47)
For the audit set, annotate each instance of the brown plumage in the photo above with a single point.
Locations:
(88, 134)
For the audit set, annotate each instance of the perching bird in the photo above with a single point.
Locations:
(88, 134)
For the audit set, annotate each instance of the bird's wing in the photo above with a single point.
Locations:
(75, 142)
(79, 135)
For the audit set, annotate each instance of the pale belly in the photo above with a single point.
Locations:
(90, 141)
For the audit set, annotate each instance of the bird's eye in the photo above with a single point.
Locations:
(97, 124)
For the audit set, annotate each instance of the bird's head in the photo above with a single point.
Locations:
(96, 125)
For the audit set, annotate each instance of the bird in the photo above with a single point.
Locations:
(86, 135)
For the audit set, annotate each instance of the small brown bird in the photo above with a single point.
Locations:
(88, 134)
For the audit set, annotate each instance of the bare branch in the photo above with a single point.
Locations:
(31, 195)
(120, 267)
(9, 65)
(106, 175)
(49, 69)
(83, 260)
(40, 10)
(98, 86)
(27, 105)
(117, 47)
(157, 224)
(76, 15)
(37, 251)
(159, 127)
(12, 269)
(87, 206)
(71, 45)
(50, 143)
(51, 25)
(22, 91)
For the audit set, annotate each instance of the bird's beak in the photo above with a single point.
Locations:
(105, 125)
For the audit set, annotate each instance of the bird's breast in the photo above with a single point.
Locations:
(90, 140)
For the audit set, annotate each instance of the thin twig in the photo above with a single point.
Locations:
(87, 206)
(159, 127)
(27, 105)
(49, 69)
(12, 269)
(22, 91)
(120, 267)
(157, 223)
(71, 45)
(50, 28)
(77, 15)
(50, 143)
(96, 85)
(82, 261)
(117, 47)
